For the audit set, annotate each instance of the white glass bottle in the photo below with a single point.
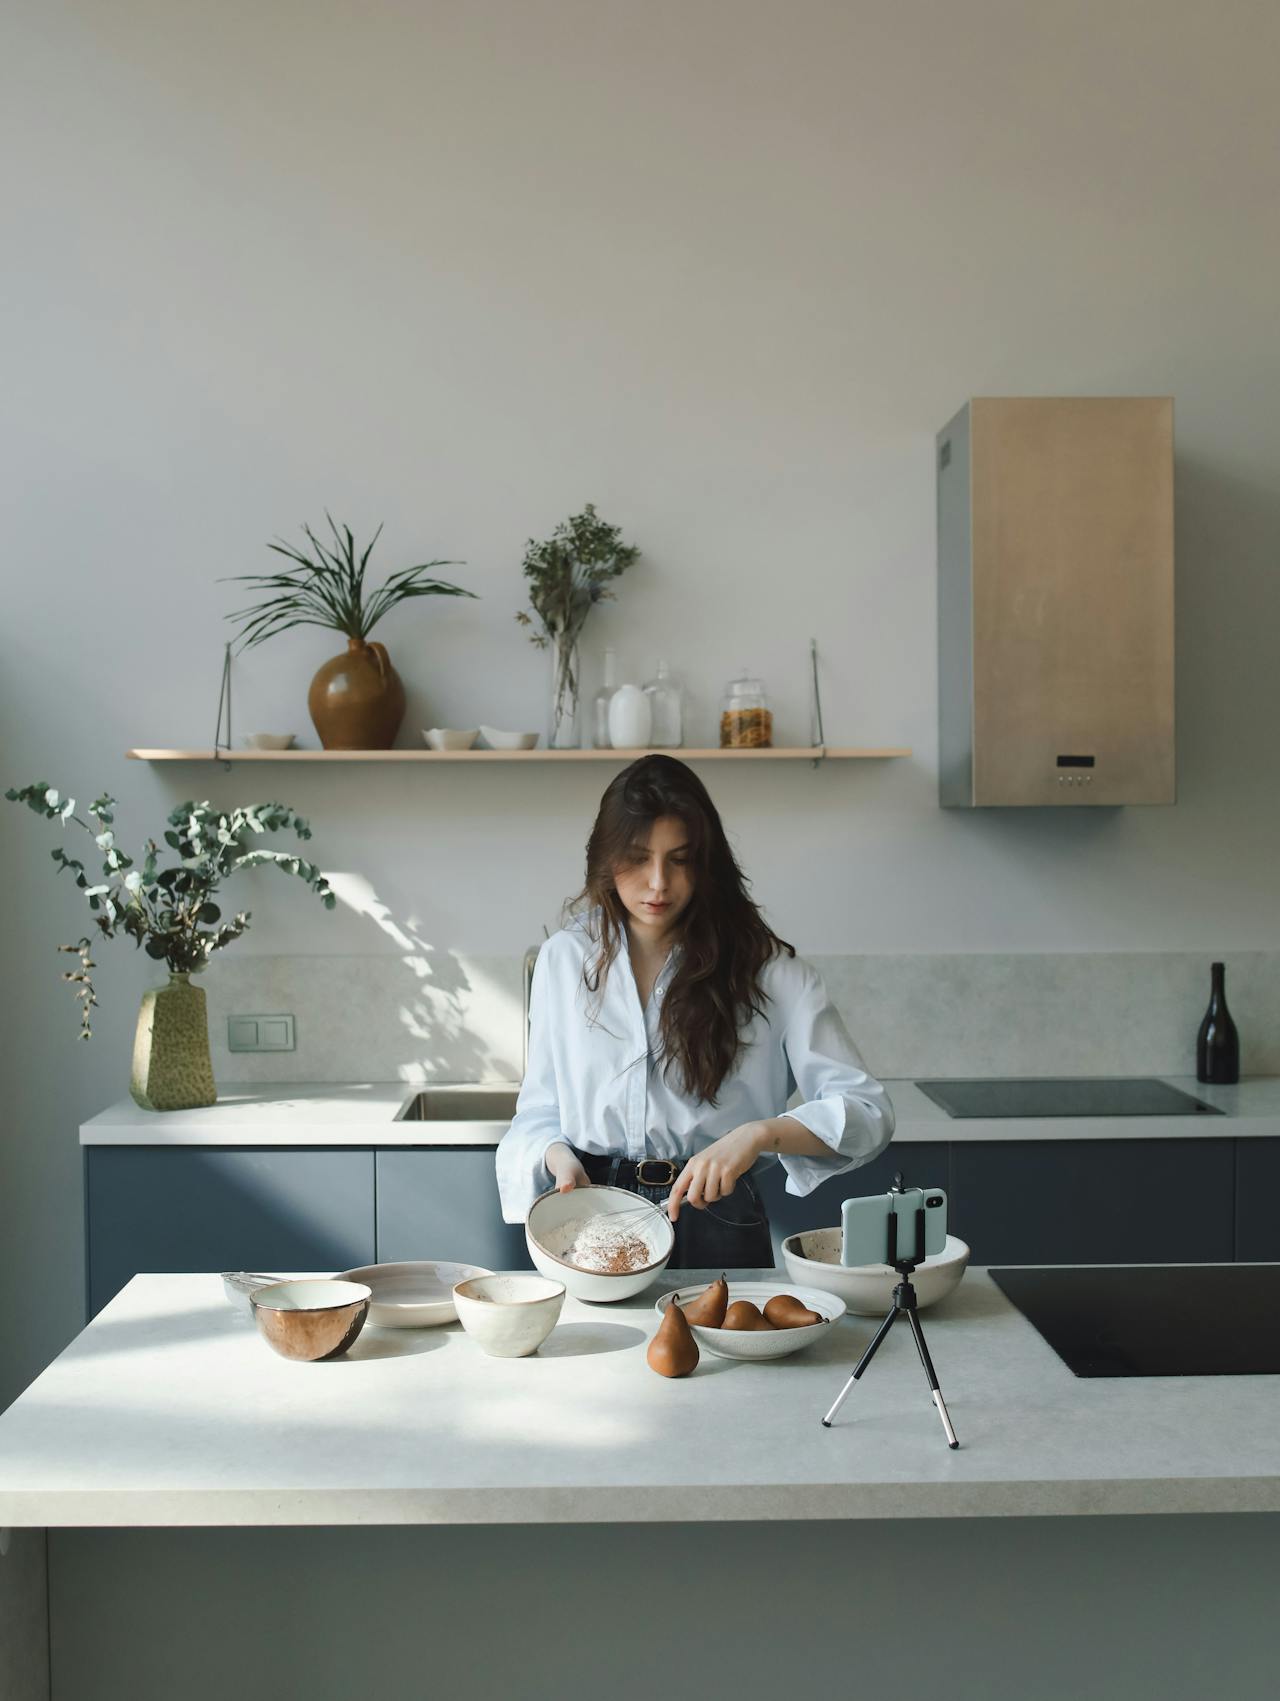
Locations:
(602, 699)
(666, 731)
(629, 718)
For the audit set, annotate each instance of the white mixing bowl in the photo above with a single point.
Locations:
(813, 1257)
(553, 1224)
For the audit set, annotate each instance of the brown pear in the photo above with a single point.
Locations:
(785, 1311)
(673, 1350)
(710, 1306)
(743, 1315)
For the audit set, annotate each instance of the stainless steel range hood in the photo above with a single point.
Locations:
(1055, 602)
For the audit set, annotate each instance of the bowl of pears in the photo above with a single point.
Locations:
(753, 1320)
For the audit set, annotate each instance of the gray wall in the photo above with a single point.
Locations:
(720, 266)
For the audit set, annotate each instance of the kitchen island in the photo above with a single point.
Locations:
(419, 1517)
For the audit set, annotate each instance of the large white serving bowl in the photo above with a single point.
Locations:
(510, 1316)
(554, 1221)
(762, 1343)
(813, 1256)
(413, 1295)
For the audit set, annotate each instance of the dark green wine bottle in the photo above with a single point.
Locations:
(1218, 1043)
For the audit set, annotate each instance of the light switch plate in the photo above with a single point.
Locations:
(260, 1033)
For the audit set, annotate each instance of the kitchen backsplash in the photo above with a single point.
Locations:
(440, 1016)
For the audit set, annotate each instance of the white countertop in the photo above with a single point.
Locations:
(169, 1410)
(308, 1113)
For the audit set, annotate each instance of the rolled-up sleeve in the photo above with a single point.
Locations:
(521, 1155)
(844, 1106)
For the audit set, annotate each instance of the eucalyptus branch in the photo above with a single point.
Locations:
(169, 911)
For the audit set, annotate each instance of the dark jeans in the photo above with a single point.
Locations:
(729, 1234)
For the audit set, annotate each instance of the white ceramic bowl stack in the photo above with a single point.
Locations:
(814, 1257)
(555, 1220)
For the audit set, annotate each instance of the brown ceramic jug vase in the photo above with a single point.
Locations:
(356, 701)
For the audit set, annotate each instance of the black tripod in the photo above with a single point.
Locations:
(904, 1305)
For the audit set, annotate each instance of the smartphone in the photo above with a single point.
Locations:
(865, 1222)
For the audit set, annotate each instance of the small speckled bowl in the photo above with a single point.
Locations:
(311, 1320)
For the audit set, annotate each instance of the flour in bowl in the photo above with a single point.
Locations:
(608, 1248)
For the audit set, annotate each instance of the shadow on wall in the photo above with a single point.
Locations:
(464, 1021)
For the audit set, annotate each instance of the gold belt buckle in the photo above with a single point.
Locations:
(667, 1165)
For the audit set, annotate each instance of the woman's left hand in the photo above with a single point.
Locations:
(714, 1172)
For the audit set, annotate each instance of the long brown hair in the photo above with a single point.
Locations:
(725, 940)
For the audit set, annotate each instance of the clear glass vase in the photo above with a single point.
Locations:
(563, 731)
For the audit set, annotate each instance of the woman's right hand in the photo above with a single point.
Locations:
(566, 1171)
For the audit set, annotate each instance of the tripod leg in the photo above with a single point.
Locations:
(862, 1364)
(929, 1371)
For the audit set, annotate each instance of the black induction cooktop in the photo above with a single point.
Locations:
(1154, 1319)
(1123, 1095)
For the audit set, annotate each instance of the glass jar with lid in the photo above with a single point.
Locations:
(746, 721)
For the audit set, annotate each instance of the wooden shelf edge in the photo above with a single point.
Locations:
(803, 754)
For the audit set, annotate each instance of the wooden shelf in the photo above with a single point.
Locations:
(816, 753)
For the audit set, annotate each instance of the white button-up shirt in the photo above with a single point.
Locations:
(595, 1077)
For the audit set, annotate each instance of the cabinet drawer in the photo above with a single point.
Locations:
(442, 1203)
(194, 1208)
(1258, 1201)
(1094, 1201)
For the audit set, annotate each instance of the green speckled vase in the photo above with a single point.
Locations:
(171, 1065)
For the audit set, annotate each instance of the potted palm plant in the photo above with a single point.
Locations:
(356, 700)
(169, 912)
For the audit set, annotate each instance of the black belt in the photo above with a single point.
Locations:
(631, 1172)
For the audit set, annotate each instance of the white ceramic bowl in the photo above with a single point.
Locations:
(448, 738)
(510, 1316)
(269, 741)
(415, 1295)
(763, 1343)
(553, 1224)
(814, 1257)
(497, 739)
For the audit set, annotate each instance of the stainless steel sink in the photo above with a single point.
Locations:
(461, 1104)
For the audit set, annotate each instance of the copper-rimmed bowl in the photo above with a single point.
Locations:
(311, 1320)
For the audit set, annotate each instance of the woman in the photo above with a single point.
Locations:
(668, 1024)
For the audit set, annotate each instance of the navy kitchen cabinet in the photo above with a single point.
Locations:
(923, 1164)
(442, 1202)
(1095, 1201)
(1258, 1201)
(200, 1208)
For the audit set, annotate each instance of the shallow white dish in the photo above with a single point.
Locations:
(413, 1295)
(269, 740)
(763, 1343)
(509, 1316)
(497, 739)
(449, 738)
(554, 1221)
(813, 1256)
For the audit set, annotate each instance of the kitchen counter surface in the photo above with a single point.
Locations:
(169, 1410)
(367, 1114)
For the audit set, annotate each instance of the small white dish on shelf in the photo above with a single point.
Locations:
(762, 1343)
(269, 740)
(497, 739)
(448, 738)
(413, 1295)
